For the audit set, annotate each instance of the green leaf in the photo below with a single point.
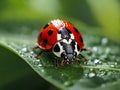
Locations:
(101, 71)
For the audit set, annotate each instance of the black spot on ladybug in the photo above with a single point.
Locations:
(81, 40)
(57, 48)
(68, 30)
(76, 30)
(41, 34)
(46, 26)
(50, 32)
(78, 48)
(45, 41)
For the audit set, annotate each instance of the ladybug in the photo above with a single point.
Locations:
(63, 39)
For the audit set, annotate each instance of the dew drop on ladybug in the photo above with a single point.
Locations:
(62, 38)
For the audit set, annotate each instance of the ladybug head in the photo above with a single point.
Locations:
(66, 49)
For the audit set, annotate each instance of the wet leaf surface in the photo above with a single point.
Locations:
(101, 71)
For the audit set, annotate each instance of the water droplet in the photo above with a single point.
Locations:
(42, 70)
(90, 62)
(62, 74)
(95, 49)
(103, 57)
(107, 50)
(115, 63)
(96, 61)
(22, 55)
(91, 74)
(103, 85)
(102, 73)
(40, 65)
(91, 69)
(67, 83)
(104, 41)
(31, 52)
(24, 49)
(112, 65)
(86, 74)
(36, 62)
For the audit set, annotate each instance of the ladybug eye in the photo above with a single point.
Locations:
(65, 58)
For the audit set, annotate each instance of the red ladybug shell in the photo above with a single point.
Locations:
(47, 36)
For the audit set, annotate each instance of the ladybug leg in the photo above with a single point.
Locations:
(62, 62)
(56, 61)
(39, 54)
(78, 60)
(84, 49)
(83, 57)
(34, 48)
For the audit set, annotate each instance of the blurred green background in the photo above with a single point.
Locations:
(99, 16)
(102, 17)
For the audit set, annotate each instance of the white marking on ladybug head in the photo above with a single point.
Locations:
(66, 49)
(67, 41)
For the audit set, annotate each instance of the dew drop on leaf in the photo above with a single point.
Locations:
(67, 83)
(24, 49)
(95, 49)
(36, 62)
(104, 41)
(39, 65)
(96, 61)
(42, 70)
(91, 74)
(112, 65)
(107, 50)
